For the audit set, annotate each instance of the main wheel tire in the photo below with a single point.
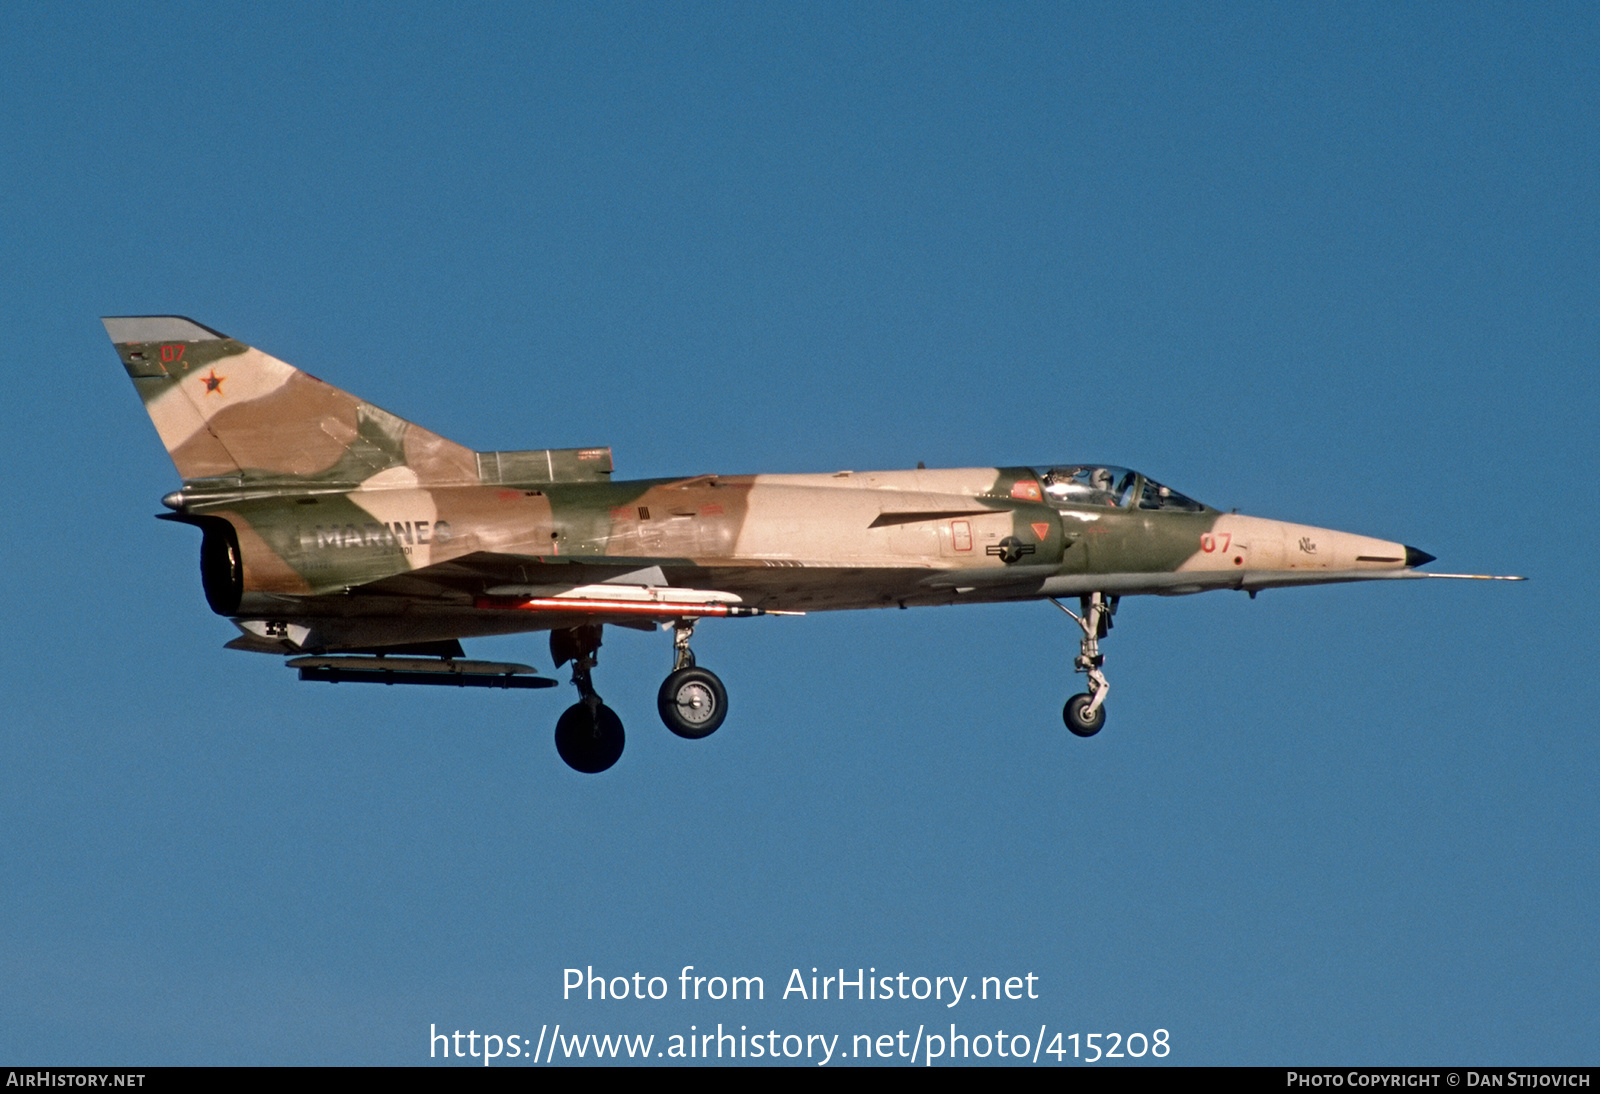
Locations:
(589, 740)
(1078, 720)
(692, 703)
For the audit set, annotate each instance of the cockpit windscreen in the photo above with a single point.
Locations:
(1114, 487)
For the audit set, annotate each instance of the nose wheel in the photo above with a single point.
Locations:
(1080, 719)
(692, 701)
(1085, 713)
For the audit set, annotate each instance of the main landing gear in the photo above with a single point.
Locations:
(692, 701)
(1085, 713)
(589, 736)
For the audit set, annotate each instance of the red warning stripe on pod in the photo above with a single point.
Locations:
(589, 606)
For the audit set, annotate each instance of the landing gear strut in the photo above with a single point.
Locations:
(692, 701)
(1085, 713)
(588, 734)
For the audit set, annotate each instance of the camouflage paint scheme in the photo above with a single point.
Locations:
(333, 525)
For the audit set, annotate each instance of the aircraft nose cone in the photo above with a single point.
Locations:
(1415, 557)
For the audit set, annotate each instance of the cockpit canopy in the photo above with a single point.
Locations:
(1114, 487)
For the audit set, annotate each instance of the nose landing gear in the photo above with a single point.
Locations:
(692, 701)
(1085, 713)
(1082, 717)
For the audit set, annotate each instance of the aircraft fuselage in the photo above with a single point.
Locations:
(838, 541)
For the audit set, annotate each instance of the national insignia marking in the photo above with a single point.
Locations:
(1009, 549)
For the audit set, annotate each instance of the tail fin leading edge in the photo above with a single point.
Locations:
(224, 409)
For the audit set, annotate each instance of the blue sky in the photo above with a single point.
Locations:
(1328, 264)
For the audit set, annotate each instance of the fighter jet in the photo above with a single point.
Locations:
(364, 547)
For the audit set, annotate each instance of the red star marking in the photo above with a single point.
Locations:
(213, 382)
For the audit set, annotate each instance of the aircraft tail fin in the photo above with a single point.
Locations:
(227, 411)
